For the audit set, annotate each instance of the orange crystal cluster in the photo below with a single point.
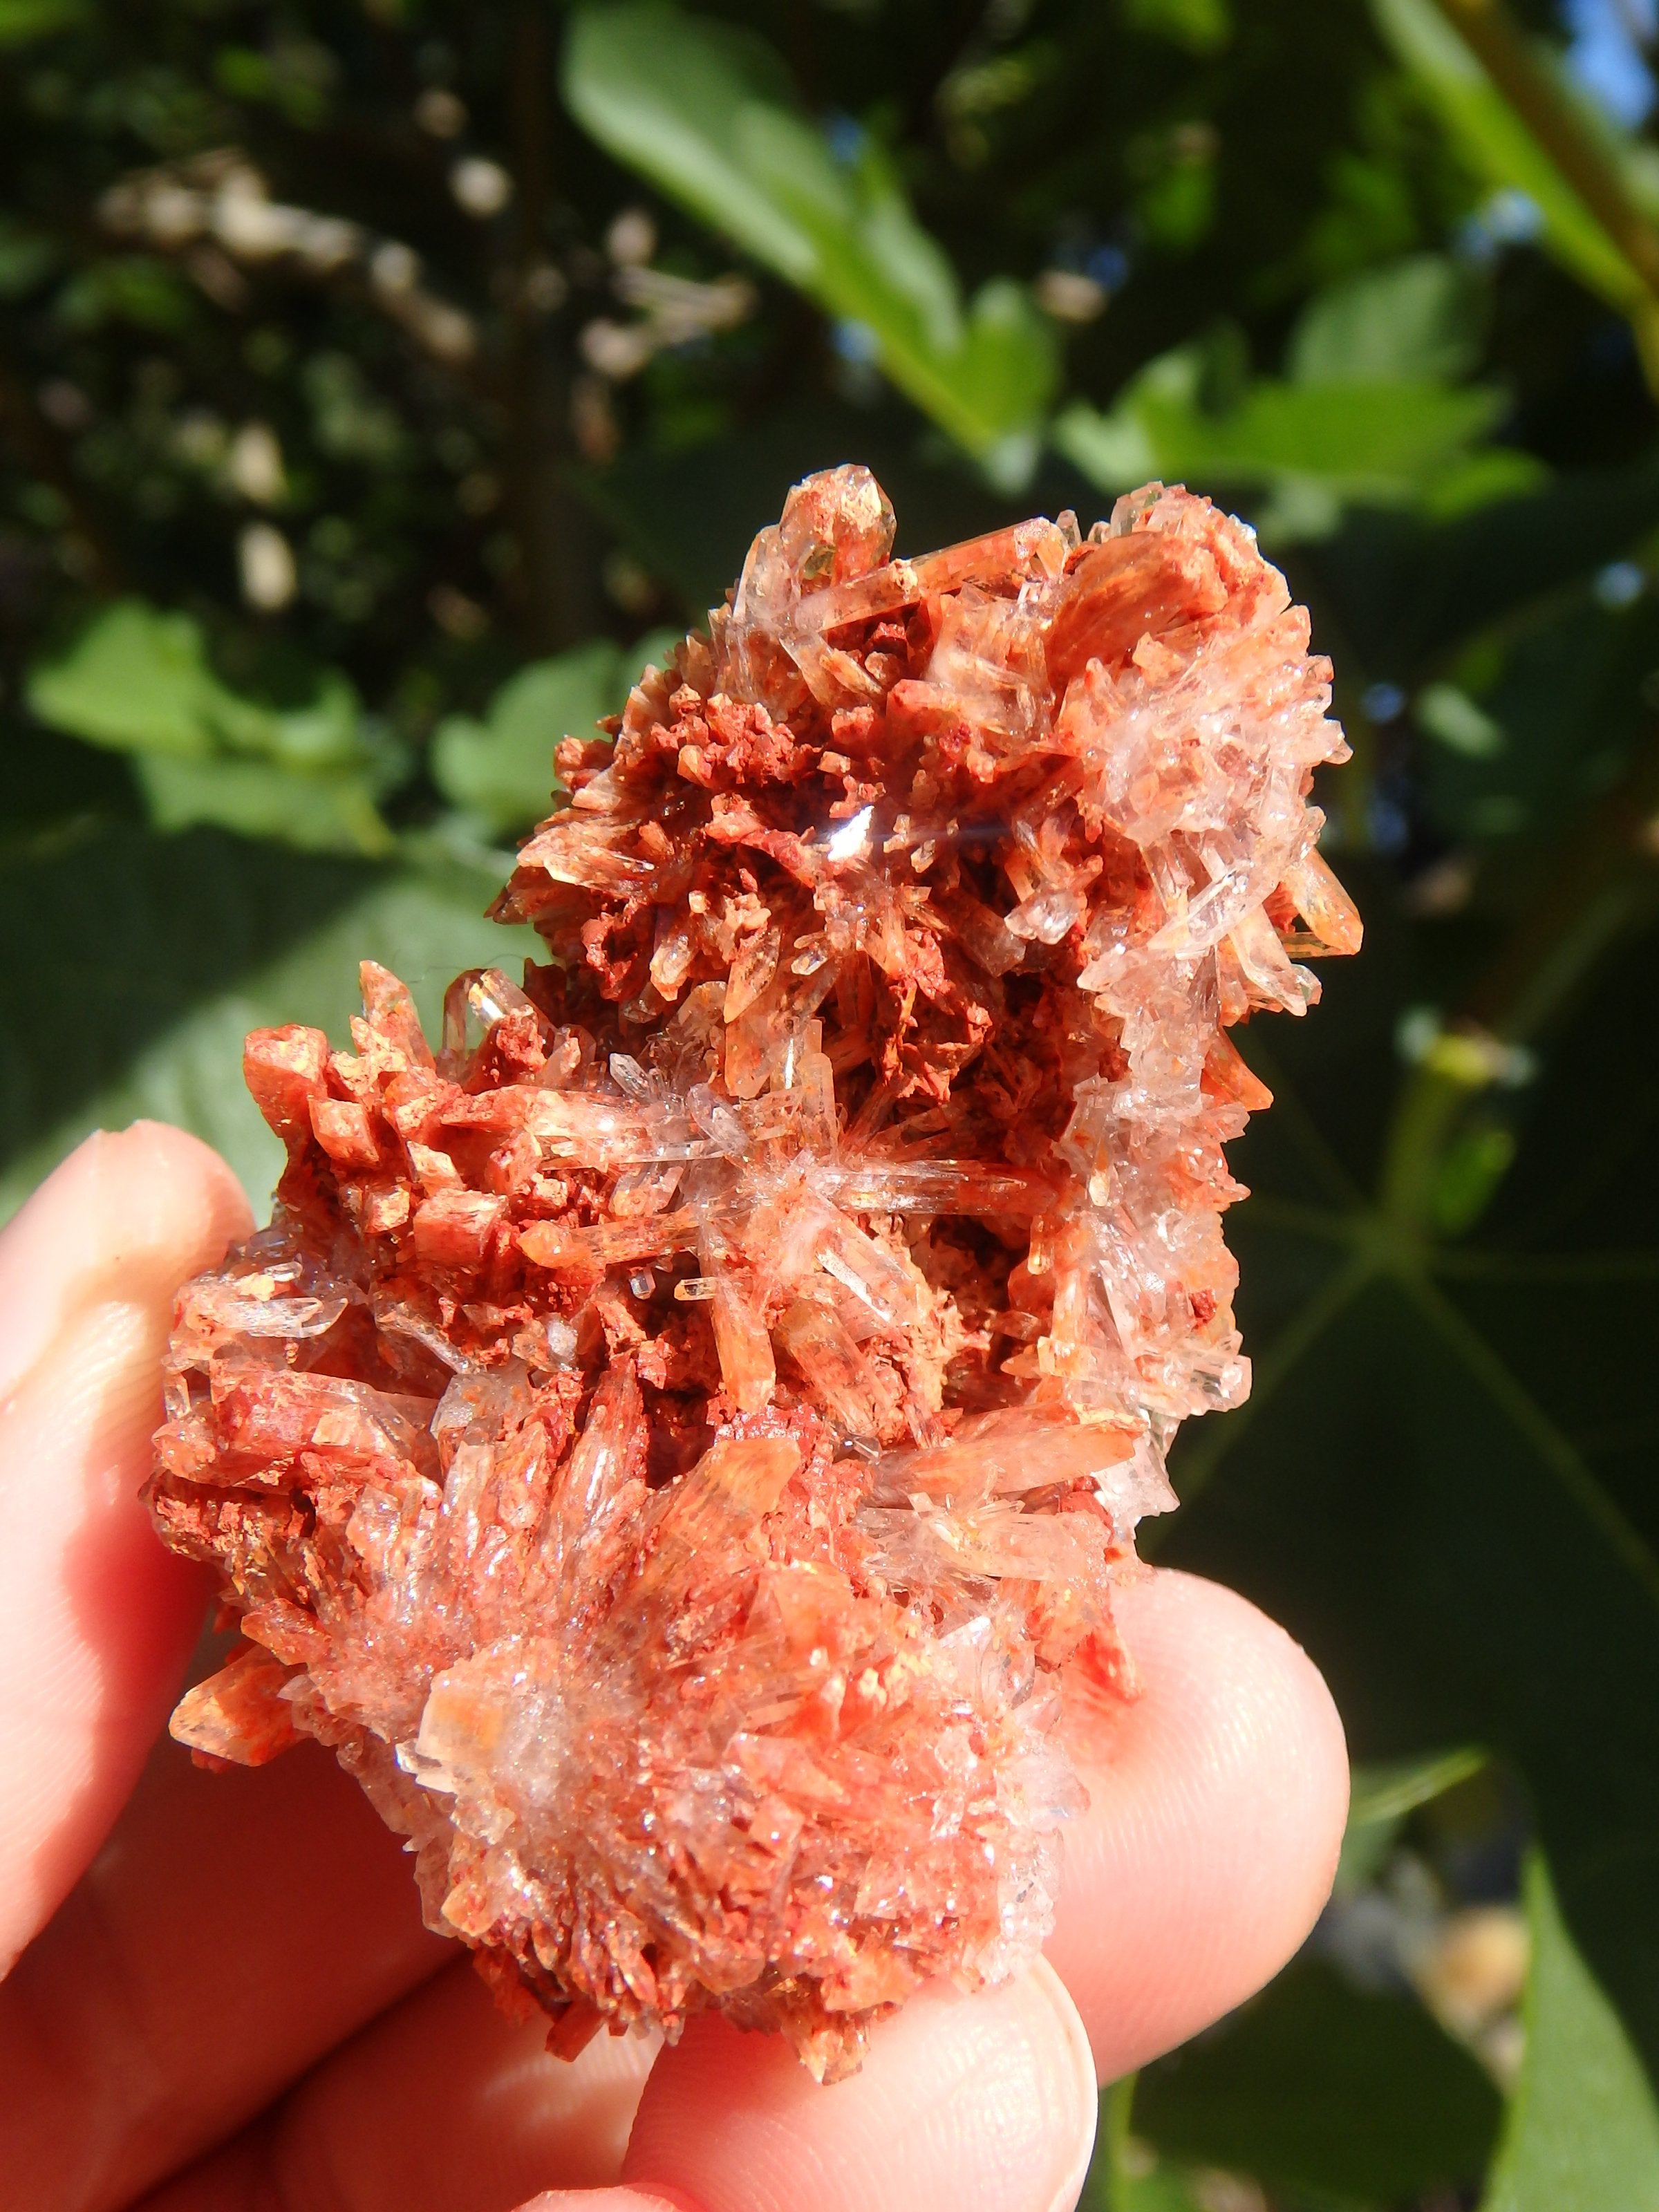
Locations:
(673, 1435)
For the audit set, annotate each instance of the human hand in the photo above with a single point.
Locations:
(228, 1999)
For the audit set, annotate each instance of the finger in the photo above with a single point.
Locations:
(440, 2101)
(228, 2180)
(987, 2101)
(1218, 1805)
(1218, 1799)
(234, 1929)
(237, 2180)
(446, 2101)
(96, 1618)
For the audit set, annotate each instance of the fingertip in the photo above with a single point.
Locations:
(183, 1163)
(1218, 1801)
(160, 1202)
(132, 1211)
(987, 2100)
(95, 1617)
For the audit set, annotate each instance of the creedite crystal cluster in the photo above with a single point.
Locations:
(674, 1433)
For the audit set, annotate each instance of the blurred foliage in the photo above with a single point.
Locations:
(381, 380)
(1318, 2086)
(698, 111)
(139, 681)
(1581, 2130)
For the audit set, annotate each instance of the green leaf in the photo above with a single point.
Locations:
(131, 288)
(1405, 592)
(322, 812)
(1413, 321)
(1125, 2174)
(1379, 441)
(22, 20)
(1481, 479)
(1443, 1481)
(1454, 719)
(26, 259)
(1318, 445)
(138, 680)
(1557, 716)
(501, 770)
(1381, 1795)
(1498, 146)
(1582, 2134)
(1317, 2085)
(682, 102)
(1201, 26)
(1389, 1790)
(132, 965)
(704, 113)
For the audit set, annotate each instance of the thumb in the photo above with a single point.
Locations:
(985, 2102)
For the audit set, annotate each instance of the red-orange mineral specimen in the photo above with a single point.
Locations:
(672, 1434)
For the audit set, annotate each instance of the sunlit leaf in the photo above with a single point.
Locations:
(1414, 321)
(1500, 147)
(704, 113)
(1385, 441)
(136, 679)
(1582, 2134)
(681, 100)
(324, 810)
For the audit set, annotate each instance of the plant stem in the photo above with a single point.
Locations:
(1531, 89)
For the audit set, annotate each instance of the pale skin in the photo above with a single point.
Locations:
(220, 1996)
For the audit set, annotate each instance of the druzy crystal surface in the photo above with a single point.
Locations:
(679, 1424)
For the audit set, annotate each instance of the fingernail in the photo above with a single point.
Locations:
(1080, 2062)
